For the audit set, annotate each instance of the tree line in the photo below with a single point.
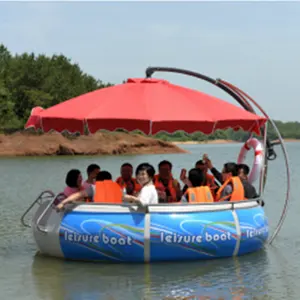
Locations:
(28, 80)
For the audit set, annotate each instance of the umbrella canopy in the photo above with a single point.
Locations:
(149, 105)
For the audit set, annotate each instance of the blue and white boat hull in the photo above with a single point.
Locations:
(180, 232)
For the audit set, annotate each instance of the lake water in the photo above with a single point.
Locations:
(273, 273)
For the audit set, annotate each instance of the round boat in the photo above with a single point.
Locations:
(122, 233)
(163, 232)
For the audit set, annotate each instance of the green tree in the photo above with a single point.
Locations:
(28, 80)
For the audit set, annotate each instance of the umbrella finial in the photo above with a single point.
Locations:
(149, 72)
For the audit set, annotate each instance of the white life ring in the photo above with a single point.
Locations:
(257, 166)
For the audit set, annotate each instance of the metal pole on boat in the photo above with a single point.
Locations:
(264, 171)
(287, 197)
(286, 161)
(242, 98)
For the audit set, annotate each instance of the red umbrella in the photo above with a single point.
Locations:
(34, 119)
(149, 105)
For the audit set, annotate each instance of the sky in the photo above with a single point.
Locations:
(255, 46)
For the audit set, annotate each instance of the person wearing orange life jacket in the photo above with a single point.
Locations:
(104, 191)
(167, 187)
(242, 171)
(209, 179)
(197, 192)
(127, 181)
(232, 188)
(218, 176)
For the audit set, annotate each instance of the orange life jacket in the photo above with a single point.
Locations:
(238, 192)
(107, 191)
(210, 182)
(122, 183)
(172, 185)
(210, 179)
(199, 194)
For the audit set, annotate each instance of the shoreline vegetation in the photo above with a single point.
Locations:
(28, 80)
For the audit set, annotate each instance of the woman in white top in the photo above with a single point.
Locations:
(148, 195)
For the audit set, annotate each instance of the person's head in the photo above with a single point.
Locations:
(243, 170)
(92, 171)
(74, 179)
(144, 173)
(103, 175)
(201, 166)
(165, 169)
(196, 177)
(229, 170)
(126, 171)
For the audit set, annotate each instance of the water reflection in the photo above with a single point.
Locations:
(238, 278)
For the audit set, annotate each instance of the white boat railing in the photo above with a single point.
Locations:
(45, 195)
(45, 211)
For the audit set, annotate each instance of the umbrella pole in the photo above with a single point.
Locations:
(233, 92)
(86, 130)
(242, 98)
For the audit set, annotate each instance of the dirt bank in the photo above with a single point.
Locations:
(24, 144)
(206, 142)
